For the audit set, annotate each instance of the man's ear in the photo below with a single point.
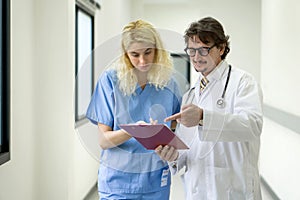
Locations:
(222, 49)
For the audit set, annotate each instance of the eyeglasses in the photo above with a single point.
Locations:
(203, 51)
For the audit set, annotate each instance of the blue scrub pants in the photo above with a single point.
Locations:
(161, 195)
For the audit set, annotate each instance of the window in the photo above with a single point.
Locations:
(84, 59)
(182, 66)
(5, 81)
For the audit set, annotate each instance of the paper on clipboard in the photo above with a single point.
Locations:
(153, 135)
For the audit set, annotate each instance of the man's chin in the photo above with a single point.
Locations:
(200, 69)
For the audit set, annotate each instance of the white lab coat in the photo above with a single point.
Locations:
(222, 162)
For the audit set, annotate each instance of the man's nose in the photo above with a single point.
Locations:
(197, 55)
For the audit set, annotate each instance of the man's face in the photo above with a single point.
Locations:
(204, 63)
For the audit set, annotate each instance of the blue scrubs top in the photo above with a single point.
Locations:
(129, 167)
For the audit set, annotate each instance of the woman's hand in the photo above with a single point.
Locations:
(167, 153)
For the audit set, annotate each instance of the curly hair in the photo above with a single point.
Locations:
(160, 73)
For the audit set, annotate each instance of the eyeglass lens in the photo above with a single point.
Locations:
(203, 51)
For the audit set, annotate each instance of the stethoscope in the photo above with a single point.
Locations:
(221, 101)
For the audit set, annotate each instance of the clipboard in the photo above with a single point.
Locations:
(153, 135)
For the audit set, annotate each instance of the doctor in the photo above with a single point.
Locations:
(221, 121)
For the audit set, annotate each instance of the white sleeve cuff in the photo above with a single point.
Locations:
(177, 165)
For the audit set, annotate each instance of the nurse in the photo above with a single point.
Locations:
(138, 86)
(220, 119)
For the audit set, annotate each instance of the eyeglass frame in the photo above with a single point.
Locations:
(199, 50)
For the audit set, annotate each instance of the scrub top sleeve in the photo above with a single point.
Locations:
(100, 109)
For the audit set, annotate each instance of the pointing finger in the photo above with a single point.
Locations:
(173, 117)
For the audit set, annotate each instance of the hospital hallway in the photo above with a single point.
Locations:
(54, 51)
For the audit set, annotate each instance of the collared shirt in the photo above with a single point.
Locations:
(129, 167)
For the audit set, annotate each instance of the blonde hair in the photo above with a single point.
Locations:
(162, 68)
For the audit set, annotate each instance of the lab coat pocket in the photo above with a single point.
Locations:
(227, 184)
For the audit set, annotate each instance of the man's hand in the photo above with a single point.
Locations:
(167, 153)
(189, 116)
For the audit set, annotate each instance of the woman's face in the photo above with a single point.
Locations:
(141, 56)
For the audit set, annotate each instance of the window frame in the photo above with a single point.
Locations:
(80, 117)
(5, 82)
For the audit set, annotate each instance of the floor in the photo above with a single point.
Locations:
(176, 194)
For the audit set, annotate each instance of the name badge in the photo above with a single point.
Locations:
(164, 177)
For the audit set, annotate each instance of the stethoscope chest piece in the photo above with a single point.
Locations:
(221, 103)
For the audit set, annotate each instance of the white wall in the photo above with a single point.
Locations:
(280, 71)
(280, 50)
(17, 177)
(48, 160)
(240, 19)
(113, 15)
(53, 86)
